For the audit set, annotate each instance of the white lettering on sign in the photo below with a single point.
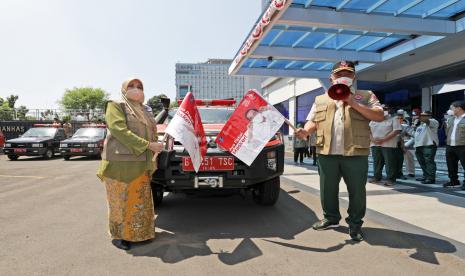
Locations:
(12, 128)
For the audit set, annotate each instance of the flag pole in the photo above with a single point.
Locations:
(155, 155)
(290, 124)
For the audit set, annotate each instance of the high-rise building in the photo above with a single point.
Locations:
(210, 80)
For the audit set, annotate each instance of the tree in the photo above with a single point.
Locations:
(84, 98)
(21, 112)
(6, 112)
(12, 100)
(155, 103)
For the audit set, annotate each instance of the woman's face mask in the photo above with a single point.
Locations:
(135, 94)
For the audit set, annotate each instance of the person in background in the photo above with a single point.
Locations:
(307, 150)
(399, 154)
(384, 138)
(455, 149)
(312, 147)
(56, 122)
(68, 128)
(426, 144)
(409, 149)
(300, 145)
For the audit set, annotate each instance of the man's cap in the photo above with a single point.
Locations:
(400, 112)
(426, 113)
(343, 65)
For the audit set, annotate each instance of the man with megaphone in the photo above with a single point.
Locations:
(340, 118)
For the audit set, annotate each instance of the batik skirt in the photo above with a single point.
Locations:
(130, 209)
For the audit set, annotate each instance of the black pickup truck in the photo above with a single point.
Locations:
(220, 169)
(40, 140)
(87, 141)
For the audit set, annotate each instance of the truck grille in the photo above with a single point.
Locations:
(21, 145)
(74, 145)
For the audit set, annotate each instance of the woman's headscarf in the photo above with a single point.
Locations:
(137, 109)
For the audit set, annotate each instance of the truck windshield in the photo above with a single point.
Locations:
(40, 132)
(90, 132)
(209, 115)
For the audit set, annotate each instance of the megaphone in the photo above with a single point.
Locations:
(339, 91)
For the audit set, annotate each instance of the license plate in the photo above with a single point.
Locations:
(20, 150)
(210, 163)
(76, 150)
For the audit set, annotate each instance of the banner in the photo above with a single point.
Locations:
(250, 127)
(186, 127)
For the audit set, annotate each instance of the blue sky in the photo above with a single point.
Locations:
(50, 45)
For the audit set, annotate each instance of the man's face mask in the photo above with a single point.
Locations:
(344, 80)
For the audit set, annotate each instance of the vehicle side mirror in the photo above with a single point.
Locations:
(165, 102)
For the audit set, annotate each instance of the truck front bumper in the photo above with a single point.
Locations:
(171, 176)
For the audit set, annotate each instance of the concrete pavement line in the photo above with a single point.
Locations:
(23, 176)
(388, 221)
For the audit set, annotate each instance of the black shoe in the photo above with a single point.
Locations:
(451, 184)
(389, 183)
(429, 181)
(374, 180)
(356, 233)
(411, 175)
(324, 224)
(121, 244)
(420, 179)
(402, 177)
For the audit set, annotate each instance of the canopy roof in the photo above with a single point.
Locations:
(304, 38)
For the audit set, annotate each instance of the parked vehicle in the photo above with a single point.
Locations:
(2, 139)
(87, 141)
(40, 140)
(220, 170)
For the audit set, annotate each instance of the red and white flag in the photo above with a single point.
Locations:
(250, 127)
(186, 127)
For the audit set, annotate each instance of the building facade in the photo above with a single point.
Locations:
(210, 80)
(265, 4)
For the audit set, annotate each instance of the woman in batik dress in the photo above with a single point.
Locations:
(127, 165)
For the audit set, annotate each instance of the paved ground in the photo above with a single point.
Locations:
(53, 222)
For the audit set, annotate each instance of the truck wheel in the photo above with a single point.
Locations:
(66, 157)
(13, 157)
(48, 154)
(267, 193)
(157, 194)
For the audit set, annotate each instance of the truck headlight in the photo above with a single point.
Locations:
(8, 145)
(63, 145)
(92, 145)
(37, 145)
